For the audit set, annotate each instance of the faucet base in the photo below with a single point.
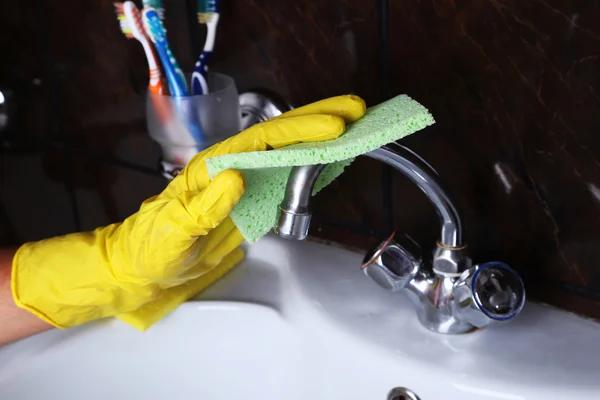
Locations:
(433, 298)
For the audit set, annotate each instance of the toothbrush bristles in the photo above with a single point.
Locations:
(120, 10)
(125, 29)
(204, 18)
(158, 6)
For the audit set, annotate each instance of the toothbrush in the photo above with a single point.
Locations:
(208, 13)
(158, 6)
(178, 70)
(179, 90)
(130, 21)
(156, 33)
(160, 9)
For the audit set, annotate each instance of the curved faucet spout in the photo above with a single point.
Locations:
(294, 210)
(427, 179)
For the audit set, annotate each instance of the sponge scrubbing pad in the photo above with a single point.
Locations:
(266, 172)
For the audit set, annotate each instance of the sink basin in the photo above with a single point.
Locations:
(212, 342)
(299, 320)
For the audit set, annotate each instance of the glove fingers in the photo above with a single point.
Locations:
(207, 252)
(210, 207)
(152, 312)
(176, 227)
(295, 129)
(323, 120)
(195, 175)
(271, 134)
(259, 137)
(349, 107)
(213, 257)
(207, 243)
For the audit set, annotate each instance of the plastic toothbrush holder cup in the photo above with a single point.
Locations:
(183, 126)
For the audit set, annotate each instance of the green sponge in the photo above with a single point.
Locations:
(266, 172)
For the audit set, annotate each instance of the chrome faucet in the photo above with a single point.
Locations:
(450, 293)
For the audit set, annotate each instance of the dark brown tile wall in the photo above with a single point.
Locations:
(514, 87)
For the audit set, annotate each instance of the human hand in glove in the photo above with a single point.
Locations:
(177, 244)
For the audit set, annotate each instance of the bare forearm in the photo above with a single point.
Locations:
(15, 323)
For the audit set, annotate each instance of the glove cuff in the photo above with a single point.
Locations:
(68, 280)
(15, 285)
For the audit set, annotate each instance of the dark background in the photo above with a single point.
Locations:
(514, 87)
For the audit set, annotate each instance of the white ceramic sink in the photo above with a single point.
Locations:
(299, 320)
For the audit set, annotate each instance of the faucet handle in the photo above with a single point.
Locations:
(488, 292)
(394, 263)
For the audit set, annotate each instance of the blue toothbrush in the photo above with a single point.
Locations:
(157, 5)
(208, 13)
(156, 32)
(160, 10)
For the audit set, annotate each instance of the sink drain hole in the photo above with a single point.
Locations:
(402, 394)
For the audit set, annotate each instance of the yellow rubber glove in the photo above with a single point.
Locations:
(177, 244)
